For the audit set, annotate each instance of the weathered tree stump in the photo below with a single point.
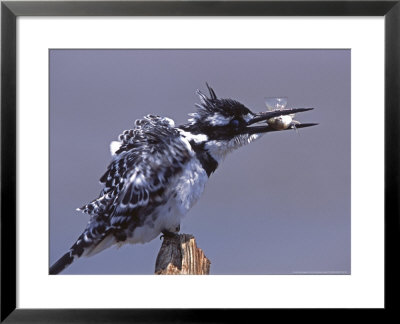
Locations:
(180, 255)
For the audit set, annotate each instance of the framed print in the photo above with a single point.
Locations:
(76, 74)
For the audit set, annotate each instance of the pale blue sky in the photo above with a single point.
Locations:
(278, 206)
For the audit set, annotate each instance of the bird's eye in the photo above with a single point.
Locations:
(235, 123)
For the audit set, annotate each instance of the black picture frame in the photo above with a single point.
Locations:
(10, 10)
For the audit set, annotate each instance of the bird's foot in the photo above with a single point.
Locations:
(169, 234)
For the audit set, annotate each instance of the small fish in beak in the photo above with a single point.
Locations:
(280, 122)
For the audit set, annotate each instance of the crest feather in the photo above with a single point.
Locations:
(212, 105)
(212, 92)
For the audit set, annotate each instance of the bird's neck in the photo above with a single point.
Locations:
(198, 145)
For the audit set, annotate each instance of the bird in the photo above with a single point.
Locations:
(158, 171)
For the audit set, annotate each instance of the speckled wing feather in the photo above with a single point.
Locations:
(135, 180)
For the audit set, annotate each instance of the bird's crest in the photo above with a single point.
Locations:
(214, 110)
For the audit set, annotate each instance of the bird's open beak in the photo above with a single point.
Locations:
(269, 127)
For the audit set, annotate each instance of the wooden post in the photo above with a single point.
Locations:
(180, 255)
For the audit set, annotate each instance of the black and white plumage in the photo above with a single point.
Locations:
(158, 172)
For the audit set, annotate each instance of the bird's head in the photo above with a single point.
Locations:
(223, 125)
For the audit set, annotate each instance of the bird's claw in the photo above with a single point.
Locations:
(167, 234)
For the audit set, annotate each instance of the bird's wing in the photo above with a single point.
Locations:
(147, 158)
(143, 164)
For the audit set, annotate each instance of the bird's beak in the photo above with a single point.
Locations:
(269, 127)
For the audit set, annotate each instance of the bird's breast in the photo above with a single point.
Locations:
(183, 192)
(189, 185)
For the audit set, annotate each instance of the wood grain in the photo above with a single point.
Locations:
(179, 255)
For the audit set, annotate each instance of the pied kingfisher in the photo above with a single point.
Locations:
(158, 172)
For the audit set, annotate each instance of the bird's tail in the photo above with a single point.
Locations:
(76, 250)
(86, 245)
(61, 263)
